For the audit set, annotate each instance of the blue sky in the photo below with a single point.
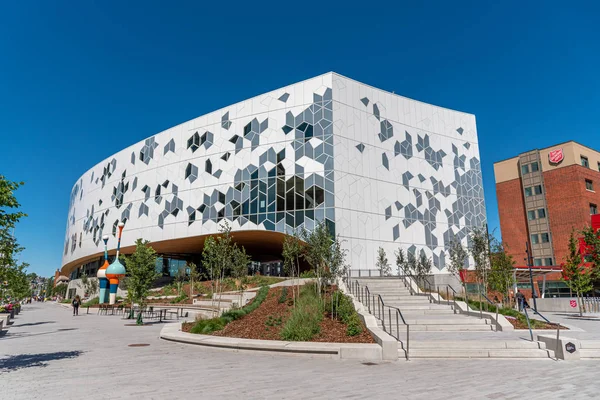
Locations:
(81, 80)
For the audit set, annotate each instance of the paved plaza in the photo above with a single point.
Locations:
(49, 354)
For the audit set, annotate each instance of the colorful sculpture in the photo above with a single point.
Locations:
(115, 271)
(103, 298)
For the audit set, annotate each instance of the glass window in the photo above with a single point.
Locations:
(548, 261)
(593, 209)
(524, 169)
(537, 262)
(541, 213)
(524, 285)
(556, 289)
(537, 189)
(528, 192)
(589, 185)
(535, 167)
(531, 215)
(535, 239)
(598, 166)
(585, 162)
(545, 237)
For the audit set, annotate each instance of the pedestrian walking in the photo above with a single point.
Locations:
(76, 303)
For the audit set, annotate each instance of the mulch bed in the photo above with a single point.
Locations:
(539, 325)
(267, 321)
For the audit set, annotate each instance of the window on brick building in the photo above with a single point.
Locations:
(585, 162)
(524, 169)
(535, 239)
(537, 262)
(589, 185)
(593, 209)
(545, 237)
(541, 213)
(537, 189)
(528, 191)
(535, 167)
(599, 166)
(531, 215)
(548, 261)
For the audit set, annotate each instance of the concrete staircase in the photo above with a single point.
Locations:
(589, 349)
(432, 325)
(418, 312)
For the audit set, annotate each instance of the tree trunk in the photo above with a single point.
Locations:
(580, 304)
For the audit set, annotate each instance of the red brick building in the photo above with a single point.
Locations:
(543, 195)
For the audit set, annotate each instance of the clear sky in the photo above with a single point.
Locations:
(79, 81)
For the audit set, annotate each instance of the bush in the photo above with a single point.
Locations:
(207, 326)
(179, 298)
(308, 274)
(283, 296)
(344, 310)
(91, 302)
(305, 320)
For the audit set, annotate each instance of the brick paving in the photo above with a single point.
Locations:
(49, 354)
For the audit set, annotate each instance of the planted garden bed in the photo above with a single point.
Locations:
(276, 318)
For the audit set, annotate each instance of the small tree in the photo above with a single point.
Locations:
(480, 251)
(459, 257)
(501, 275)
(180, 278)
(292, 251)
(239, 270)
(141, 274)
(89, 285)
(575, 275)
(195, 276)
(592, 240)
(401, 261)
(423, 267)
(318, 246)
(382, 262)
(411, 263)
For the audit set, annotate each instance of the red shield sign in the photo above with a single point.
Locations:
(556, 156)
(573, 303)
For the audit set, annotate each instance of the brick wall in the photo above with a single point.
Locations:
(569, 203)
(513, 220)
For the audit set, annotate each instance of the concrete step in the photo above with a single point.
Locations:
(415, 307)
(439, 328)
(444, 320)
(477, 353)
(415, 313)
(589, 353)
(476, 344)
(589, 344)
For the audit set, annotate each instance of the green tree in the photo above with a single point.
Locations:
(239, 270)
(90, 285)
(195, 276)
(141, 274)
(10, 267)
(411, 264)
(575, 275)
(382, 263)
(480, 252)
(180, 278)
(423, 267)
(592, 240)
(292, 251)
(401, 261)
(501, 275)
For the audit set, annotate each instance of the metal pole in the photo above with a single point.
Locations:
(407, 341)
(480, 305)
(529, 262)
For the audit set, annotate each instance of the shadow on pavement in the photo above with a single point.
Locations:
(16, 335)
(35, 323)
(13, 363)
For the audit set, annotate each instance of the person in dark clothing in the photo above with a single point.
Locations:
(521, 301)
(76, 303)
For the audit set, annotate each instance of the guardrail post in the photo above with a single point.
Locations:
(407, 342)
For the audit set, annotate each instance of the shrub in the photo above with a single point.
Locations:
(308, 274)
(179, 298)
(207, 326)
(283, 296)
(91, 302)
(305, 320)
(344, 310)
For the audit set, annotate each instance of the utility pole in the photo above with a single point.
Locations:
(529, 265)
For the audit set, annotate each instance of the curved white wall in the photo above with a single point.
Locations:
(381, 169)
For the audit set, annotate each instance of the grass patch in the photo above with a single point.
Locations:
(179, 299)
(91, 302)
(206, 326)
(304, 321)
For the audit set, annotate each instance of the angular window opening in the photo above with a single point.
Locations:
(208, 166)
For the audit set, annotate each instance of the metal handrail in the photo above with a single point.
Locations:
(377, 307)
(495, 305)
(527, 317)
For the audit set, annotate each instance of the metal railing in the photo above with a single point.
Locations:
(591, 304)
(389, 316)
(527, 317)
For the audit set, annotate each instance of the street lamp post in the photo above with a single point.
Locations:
(529, 265)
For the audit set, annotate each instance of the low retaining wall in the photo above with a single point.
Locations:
(352, 351)
(556, 304)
